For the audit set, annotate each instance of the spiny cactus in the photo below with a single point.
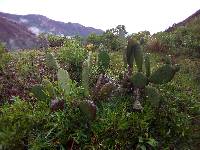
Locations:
(152, 95)
(147, 65)
(163, 74)
(103, 61)
(51, 61)
(130, 52)
(89, 109)
(134, 52)
(138, 55)
(48, 86)
(38, 92)
(64, 81)
(139, 80)
(85, 75)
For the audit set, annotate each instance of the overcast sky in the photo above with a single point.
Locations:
(136, 15)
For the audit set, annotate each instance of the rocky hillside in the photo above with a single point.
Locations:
(16, 36)
(40, 24)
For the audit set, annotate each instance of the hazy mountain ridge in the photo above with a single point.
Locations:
(16, 36)
(39, 24)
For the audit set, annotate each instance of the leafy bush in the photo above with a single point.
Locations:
(19, 121)
(71, 56)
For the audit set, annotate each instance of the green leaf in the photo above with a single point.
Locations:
(152, 142)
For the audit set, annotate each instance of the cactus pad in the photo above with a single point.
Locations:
(138, 55)
(85, 77)
(130, 54)
(152, 96)
(163, 75)
(38, 92)
(51, 61)
(64, 81)
(139, 80)
(89, 109)
(147, 65)
(48, 86)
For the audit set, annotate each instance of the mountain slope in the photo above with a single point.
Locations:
(190, 20)
(16, 36)
(39, 24)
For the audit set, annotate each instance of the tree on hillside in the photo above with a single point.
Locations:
(115, 38)
(94, 39)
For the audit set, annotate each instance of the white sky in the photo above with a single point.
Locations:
(136, 15)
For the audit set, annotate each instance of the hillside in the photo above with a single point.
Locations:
(16, 36)
(187, 21)
(40, 24)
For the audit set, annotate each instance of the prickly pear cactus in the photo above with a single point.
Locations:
(89, 109)
(130, 52)
(139, 80)
(103, 61)
(51, 61)
(134, 52)
(152, 96)
(163, 75)
(147, 65)
(48, 86)
(138, 55)
(38, 92)
(64, 81)
(85, 76)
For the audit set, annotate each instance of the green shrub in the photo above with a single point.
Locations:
(71, 56)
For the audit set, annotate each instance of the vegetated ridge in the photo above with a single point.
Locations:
(41, 24)
(185, 22)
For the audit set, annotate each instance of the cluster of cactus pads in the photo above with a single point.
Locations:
(49, 94)
(141, 81)
(139, 84)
